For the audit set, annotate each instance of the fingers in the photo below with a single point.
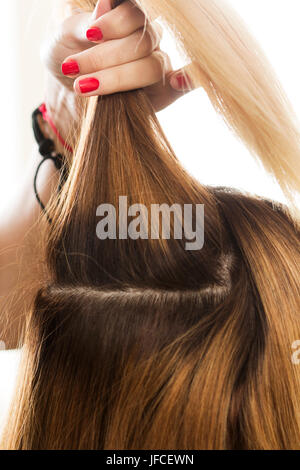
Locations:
(112, 53)
(83, 29)
(174, 85)
(117, 23)
(130, 76)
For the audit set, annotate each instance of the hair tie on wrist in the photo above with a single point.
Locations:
(47, 118)
(47, 151)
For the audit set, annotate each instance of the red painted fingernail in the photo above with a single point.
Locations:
(87, 85)
(70, 68)
(94, 34)
(182, 82)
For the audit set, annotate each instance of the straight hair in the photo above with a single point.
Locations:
(140, 344)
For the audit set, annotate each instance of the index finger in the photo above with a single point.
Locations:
(118, 23)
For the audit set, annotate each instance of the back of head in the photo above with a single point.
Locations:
(142, 344)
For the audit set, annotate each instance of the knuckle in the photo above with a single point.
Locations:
(117, 81)
(147, 40)
(144, 42)
(119, 24)
(93, 60)
(161, 63)
(120, 21)
(115, 25)
(160, 58)
(151, 39)
(115, 54)
(165, 59)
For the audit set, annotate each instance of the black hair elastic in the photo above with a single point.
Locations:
(47, 151)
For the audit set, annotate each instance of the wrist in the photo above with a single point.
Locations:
(64, 111)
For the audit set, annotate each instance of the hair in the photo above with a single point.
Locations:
(140, 344)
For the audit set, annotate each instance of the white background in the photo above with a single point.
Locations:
(198, 135)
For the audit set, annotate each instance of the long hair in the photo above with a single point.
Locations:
(141, 344)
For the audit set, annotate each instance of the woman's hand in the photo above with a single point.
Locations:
(111, 51)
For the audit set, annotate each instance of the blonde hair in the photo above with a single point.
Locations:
(141, 344)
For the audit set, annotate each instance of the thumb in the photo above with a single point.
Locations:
(102, 7)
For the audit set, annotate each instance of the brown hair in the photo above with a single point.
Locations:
(141, 344)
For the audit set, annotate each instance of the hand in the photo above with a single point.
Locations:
(110, 51)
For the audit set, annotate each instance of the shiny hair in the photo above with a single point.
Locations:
(140, 344)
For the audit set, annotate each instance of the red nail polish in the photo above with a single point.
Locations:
(70, 68)
(87, 85)
(94, 34)
(182, 82)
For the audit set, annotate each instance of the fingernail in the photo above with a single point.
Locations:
(182, 82)
(94, 34)
(87, 85)
(70, 68)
